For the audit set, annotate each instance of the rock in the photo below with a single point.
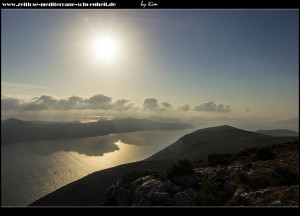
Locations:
(228, 188)
(151, 191)
(172, 188)
(191, 191)
(205, 171)
(222, 172)
(134, 185)
(265, 197)
(276, 203)
(187, 181)
(239, 191)
(236, 168)
(159, 197)
(256, 172)
(183, 199)
(128, 178)
(247, 166)
(249, 198)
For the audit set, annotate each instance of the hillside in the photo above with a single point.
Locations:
(14, 130)
(92, 189)
(223, 139)
(279, 132)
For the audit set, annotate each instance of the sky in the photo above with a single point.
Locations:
(173, 63)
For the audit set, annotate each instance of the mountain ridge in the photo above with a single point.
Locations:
(198, 144)
(279, 132)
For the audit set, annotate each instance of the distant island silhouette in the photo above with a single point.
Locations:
(15, 130)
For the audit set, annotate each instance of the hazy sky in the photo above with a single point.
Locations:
(236, 63)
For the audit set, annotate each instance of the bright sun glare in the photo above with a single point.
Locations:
(106, 48)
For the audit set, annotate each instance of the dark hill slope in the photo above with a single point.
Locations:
(215, 140)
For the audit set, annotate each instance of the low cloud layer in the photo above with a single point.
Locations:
(45, 102)
(165, 105)
(150, 104)
(102, 102)
(212, 107)
(185, 107)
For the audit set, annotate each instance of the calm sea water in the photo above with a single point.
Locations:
(30, 170)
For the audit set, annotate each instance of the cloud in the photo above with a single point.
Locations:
(73, 102)
(212, 107)
(101, 102)
(150, 104)
(41, 103)
(48, 102)
(98, 101)
(185, 107)
(165, 105)
(9, 103)
(123, 104)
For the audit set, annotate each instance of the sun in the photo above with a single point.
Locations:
(106, 48)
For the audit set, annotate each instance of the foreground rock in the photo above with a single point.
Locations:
(246, 181)
(267, 197)
(157, 189)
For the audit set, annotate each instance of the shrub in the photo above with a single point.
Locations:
(242, 178)
(210, 193)
(259, 181)
(249, 165)
(181, 167)
(264, 153)
(251, 149)
(244, 153)
(219, 159)
(247, 152)
(253, 182)
(281, 176)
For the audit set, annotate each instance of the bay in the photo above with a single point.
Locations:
(30, 170)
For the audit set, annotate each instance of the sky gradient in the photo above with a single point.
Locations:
(209, 63)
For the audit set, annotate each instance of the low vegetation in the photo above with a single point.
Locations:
(273, 170)
(211, 193)
(180, 168)
(264, 153)
(283, 176)
(219, 159)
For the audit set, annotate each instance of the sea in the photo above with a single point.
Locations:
(30, 170)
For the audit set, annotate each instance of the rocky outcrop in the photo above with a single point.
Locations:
(249, 182)
(183, 199)
(149, 188)
(187, 180)
(266, 197)
(156, 189)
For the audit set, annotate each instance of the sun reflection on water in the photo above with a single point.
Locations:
(125, 154)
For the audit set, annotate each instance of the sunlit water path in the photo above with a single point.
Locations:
(30, 170)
